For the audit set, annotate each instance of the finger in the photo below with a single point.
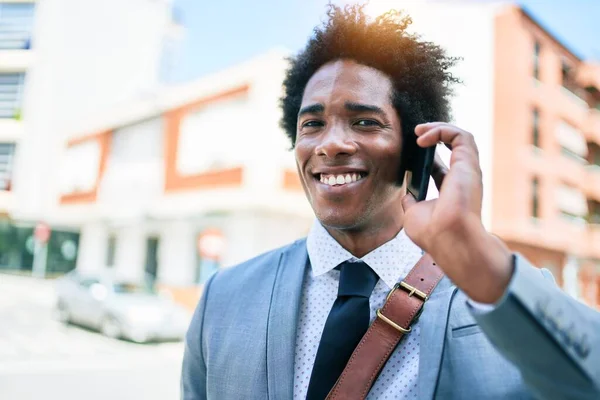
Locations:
(422, 128)
(439, 171)
(453, 136)
(442, 133)
(408, 201)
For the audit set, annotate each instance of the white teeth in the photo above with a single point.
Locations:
(333, 180)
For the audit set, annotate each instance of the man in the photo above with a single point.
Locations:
(495, 327)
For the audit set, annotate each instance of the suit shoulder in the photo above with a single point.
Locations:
(256, 267)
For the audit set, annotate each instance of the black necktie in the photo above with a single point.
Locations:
(346, 324)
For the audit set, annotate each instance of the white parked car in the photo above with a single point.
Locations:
(119, 308)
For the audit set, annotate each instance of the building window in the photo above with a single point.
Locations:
(151, 264)
(11, 92)
(565, 72)
(7, 151)
(594, 213)
(134, 172)
(572, 142)
(536, 60)
(536, 128)
(198, 128)
(16, 246)
(535, 202)
(16, 23)
(111, 248)
(63, 248)
(594, 154)
(138, 143)
(80, 167)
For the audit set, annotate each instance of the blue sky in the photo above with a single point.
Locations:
(224, 32)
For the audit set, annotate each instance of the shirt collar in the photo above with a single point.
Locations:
(391, 261)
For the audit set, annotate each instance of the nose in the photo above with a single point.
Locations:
(335, 142)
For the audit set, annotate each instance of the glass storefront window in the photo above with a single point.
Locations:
(63, 248)
(17, 247)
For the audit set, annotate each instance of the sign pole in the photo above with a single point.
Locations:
(40, 254)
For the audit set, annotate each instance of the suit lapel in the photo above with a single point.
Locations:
(433, 324)
(283, 321)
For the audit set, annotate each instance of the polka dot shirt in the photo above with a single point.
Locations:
(392, 261)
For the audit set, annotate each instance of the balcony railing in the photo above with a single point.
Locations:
(11, 88)
(14, 36)
(16, 23)
(576, 95)
(7, 151)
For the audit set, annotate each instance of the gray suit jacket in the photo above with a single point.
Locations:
(537, 343)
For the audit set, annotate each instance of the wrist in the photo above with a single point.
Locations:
(491, 267)
(479, 263)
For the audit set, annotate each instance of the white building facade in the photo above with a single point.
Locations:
(198, 178)
(60, 59)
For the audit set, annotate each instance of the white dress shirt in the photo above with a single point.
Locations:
(391, 262)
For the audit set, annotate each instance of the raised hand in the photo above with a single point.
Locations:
(449, 227)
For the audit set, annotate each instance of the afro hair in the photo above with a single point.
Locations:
(419, 70)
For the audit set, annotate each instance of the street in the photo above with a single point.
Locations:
(42, 358)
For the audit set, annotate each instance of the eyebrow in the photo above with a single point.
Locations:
(358, 107)
(350, 106)
(312, 109)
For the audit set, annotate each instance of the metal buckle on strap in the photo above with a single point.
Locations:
(392, 323)
(408, 288)
(412, 291)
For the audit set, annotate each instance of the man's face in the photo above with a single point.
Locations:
(348, 146)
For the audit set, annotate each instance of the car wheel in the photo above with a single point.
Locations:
(138, 337)
(62, 313)
(111, 328)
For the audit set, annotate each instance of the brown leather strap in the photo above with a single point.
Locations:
(402, 307)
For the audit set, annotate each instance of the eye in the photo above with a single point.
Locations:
(312, 124)
(367, 123)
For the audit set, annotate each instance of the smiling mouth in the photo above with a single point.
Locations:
(340, 179)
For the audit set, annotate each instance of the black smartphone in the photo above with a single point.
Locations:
(418, 166)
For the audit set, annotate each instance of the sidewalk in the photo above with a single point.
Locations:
(43, 358)
(30, 335)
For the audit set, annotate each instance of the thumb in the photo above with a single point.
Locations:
(408, 201)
